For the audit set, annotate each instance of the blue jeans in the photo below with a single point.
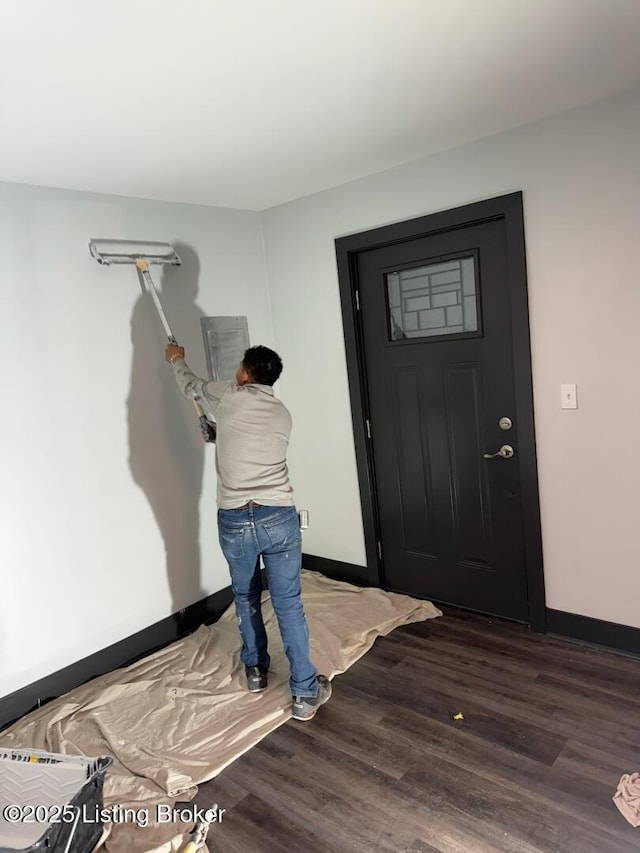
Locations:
(274, 533)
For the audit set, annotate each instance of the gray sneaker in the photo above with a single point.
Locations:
(256, 678)
(305, 707)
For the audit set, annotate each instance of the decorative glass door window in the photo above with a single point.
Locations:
(436, 299)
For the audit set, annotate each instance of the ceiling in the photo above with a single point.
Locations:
(251, 103)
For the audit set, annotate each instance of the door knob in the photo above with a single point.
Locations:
(506, 451)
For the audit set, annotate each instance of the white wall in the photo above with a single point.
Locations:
(107, 505)
(580, 175)
(102, 464)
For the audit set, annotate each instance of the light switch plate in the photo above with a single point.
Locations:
(568, 396)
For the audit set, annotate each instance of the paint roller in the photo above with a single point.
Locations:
(143, 255)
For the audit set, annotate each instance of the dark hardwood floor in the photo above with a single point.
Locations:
(549, 727)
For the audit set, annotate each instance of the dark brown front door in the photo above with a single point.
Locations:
(439, 381)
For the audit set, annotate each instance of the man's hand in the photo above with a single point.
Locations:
(173, 352)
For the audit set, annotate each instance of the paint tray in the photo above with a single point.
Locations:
(50, 802)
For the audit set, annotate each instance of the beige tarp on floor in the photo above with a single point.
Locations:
(178, 717)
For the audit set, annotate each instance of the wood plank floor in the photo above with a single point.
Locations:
(549, 727)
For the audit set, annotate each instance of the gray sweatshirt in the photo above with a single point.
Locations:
(253, 430)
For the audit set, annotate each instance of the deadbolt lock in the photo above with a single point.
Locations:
(505, 423)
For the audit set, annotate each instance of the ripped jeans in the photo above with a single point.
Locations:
(274, 533)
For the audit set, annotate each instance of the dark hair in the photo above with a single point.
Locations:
(263, 365)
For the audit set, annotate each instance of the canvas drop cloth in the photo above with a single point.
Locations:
(627, 798)
(176, 718)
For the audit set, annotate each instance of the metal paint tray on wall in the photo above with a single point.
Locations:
(50, 802)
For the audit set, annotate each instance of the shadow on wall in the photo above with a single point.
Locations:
(166, 450)
(3, 650)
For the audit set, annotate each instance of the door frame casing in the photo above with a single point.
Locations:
(510, 209)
